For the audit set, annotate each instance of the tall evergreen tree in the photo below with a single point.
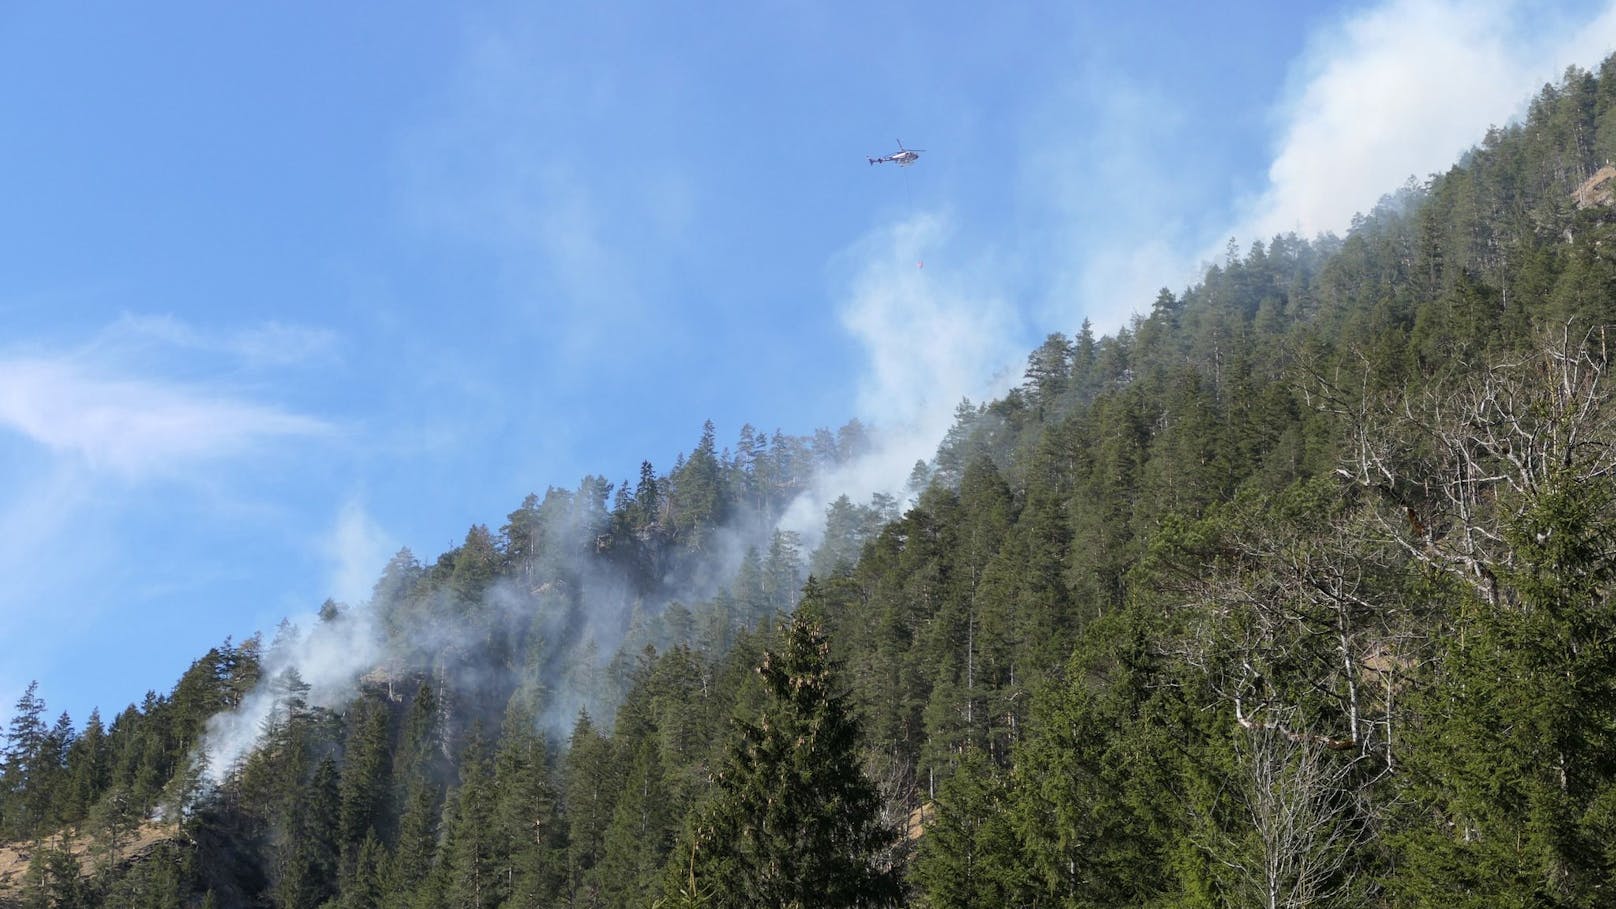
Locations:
(21, 776)
(531, 834)
(794, 821)
(592, 786)
(365, 788)
(969, 854)
(471, 842)
(641, 831)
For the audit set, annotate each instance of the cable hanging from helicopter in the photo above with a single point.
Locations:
(903, 158)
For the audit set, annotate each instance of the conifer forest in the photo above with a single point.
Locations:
(1299, 590)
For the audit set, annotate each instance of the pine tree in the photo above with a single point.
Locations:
(54, 880)
(592, 785)
(1075, 803)
(362, 889)
(781, 572)
(416, 852)
(307, 867)
(88, 765)
(522, 538)
(1514, 761)
(699, 496)
(470, 838)
(968, 854)
(1049, 372)
(20, 775)
(531, 834)
(363, 794)
(417, 770)
(159, 881)
(641, 831)
(794, 821)
(839, 548)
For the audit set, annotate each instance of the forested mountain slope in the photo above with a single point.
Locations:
(1297, 591)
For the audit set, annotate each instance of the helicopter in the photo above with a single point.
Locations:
(904, 157)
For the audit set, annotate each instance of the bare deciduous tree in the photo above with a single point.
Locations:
(1307, 824)
(1454, 464)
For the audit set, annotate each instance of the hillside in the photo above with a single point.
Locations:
(96, 857)
(1296, 591)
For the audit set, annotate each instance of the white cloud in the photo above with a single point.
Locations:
(84, 428)
(269, 344)
(134, 418)
(133, 425)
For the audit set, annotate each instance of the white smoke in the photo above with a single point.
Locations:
(1400, 90)
(933, 333)
(579, 630)
(327, 654)
(357, 548)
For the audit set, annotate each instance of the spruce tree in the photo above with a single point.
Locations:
(531, 836)
(20, 773)
(362, 888)
(363, 794)
(794, 821)
(88, 768)
(592, 783)
(969, 854)
(417, 848)
(470, 840)
(637, 840)
(54, 880)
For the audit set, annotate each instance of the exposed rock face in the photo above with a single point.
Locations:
(1600, 189)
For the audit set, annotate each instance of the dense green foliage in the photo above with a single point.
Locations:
(1297, 591)
(793, 820)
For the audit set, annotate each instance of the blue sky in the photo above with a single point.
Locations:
(285, 288)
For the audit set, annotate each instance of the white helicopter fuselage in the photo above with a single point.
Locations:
(903, 157)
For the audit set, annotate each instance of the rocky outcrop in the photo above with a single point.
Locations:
(1600, 189)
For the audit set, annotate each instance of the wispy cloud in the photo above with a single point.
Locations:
(149, 395)
(506, 165)
(266, 345)
(133, 428)
(134, 425)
